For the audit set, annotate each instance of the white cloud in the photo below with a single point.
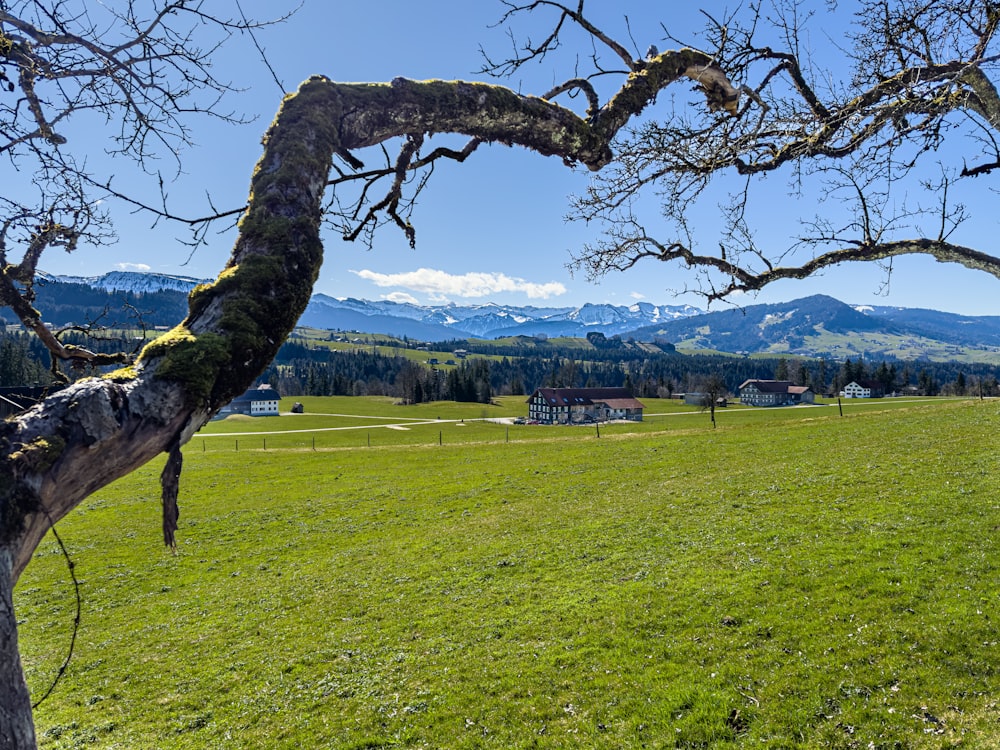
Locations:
(637, 295)
(140, 267)
(401, 297)
(444, 284)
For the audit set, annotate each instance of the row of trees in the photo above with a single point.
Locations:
(366, 372)
(21, 361)
(929, 378)
(301, 370)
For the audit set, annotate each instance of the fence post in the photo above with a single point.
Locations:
(237, 445)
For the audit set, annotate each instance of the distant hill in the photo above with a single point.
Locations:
(356, 315)
(487, 321)
(134, 282)
(116, 303)
(957, 329)
(813, 326)
(427, 322)
(823, 326)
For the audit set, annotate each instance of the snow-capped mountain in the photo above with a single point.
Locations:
(133, 282)
(483, 321)
(430, 322)
(813, 326)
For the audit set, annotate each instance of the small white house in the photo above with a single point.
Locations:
(261, 401)
(863, 389)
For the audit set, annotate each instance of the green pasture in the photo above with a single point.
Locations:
(351, 422)
(791, 579)
(320, 339)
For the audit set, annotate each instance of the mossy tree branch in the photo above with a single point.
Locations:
(921, 79)
(97, 430)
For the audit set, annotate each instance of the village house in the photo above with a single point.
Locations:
(863, 389)
(701, 399)
(775, 393)
(261, 401)
(580, 405)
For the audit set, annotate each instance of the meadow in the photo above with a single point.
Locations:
(791, 579)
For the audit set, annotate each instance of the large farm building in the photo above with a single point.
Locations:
(580, 405)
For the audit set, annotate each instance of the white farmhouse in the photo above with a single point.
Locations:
(863, 389)
(261, 401)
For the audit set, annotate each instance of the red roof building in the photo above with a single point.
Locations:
(583, 405)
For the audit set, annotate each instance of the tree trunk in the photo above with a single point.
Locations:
(17, 731)
(97, 430)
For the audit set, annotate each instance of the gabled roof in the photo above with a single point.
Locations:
(616, 398)
(768, 386)
(622, 403)
(872, 385)
(775, 386)
(259, 394)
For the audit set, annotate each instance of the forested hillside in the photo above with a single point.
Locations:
(520, 365)
(515, 366)
(22, 361)
(81, 304)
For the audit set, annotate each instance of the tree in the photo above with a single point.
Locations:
(712, 388)
(97, 430)
(886, 377)
(597, 339)
(145, 68)
(927, 384)
(917, 66)
(18, 366)
(781, 369)
(908, 91)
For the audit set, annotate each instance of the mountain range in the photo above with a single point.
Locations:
(813, 326)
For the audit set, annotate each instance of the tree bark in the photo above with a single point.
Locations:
(16, 727)
(99, 429)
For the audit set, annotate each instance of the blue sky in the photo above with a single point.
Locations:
(493, 228)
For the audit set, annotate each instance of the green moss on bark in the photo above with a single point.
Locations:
(260, 295)
(194, 361)
(17, 500)
(40, 454)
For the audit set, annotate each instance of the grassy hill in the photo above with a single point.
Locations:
(792, 579)
(820, 326)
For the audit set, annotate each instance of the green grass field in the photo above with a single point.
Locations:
(792, 579)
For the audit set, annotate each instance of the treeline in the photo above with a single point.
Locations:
(299, 370)
(923, 378)
(362, 372)
(23, 361)
(651, 371)
(81, 304)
